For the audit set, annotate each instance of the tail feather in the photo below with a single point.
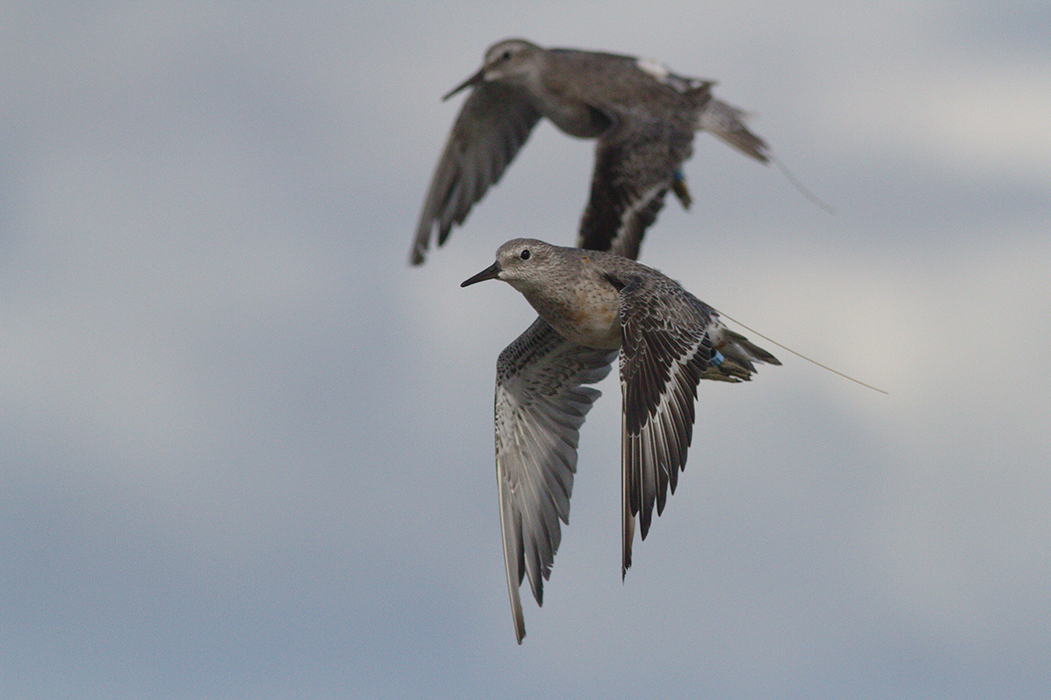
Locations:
(738, 356)
(739, 344)
(727, 123)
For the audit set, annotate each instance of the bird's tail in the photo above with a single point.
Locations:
(735, 356)
(727, 123)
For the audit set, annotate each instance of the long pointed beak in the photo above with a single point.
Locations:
(489, 273)
(470, 82)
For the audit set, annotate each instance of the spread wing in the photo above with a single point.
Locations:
(665, 353)
(635, 164)
(541, 402)
(492, 125)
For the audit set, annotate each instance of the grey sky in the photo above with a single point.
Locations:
(247, 451)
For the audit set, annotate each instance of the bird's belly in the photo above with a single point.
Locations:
(600, 333)
(575, 119)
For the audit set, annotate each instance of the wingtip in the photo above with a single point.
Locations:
(517, 617)
(418, 252)
(519, 621)
(628, 535)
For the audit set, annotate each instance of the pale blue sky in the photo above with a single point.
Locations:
(247, 451)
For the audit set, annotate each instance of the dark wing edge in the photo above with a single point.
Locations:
(540, 405)
(492, 125)
(633, 171)
(665, 352)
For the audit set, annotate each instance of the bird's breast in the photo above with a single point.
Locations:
(593, 317)
(599, 326)
(586, 311)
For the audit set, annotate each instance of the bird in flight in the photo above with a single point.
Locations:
(643, 116)
(592, 305)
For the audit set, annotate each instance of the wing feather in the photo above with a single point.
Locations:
(493, 123)
(665, 352)
(541, 403)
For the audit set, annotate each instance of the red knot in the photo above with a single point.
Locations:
(643, 115)
(593, 304)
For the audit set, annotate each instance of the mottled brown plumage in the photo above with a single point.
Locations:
(592, 304)
(643, 115)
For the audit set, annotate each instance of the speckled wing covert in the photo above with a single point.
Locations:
(541, 402)
(492, 125)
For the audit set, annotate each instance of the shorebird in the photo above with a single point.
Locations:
(643, 115)
(592, 305)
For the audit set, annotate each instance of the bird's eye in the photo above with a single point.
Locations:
(524, 254)
(505, 56)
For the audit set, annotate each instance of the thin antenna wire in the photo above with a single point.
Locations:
(814, 362)
(799, 186)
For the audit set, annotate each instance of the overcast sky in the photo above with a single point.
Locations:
(246, 451)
